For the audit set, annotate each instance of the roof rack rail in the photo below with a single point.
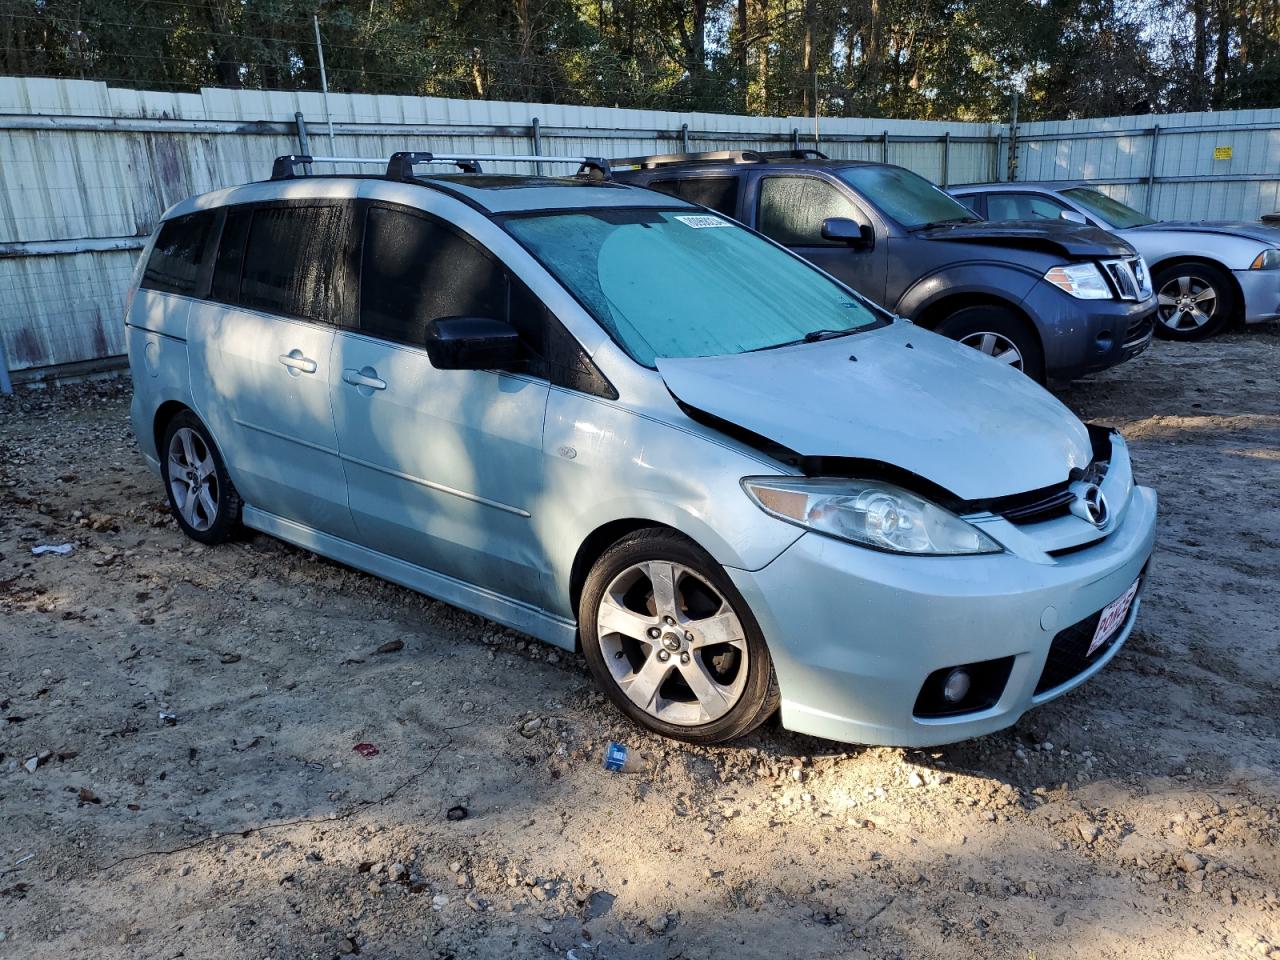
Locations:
(286, 168)
(717, 156)
(399, 166)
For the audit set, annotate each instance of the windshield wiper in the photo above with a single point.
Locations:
(945, 223)
(813, 336)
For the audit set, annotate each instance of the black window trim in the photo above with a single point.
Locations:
(834, 183)
(740, 190)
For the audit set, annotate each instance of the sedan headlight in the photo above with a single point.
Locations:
(1084, 281)
(870, 513)
(1268, 259)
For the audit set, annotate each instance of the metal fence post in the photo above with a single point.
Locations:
(1151, 170)
(995, 161)
(946, 159)
(684, 138)
(1013, 140)
(884, 147)
(535, 134)
(6, 386)
(795, 139)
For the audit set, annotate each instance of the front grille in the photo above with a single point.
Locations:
(1129, 277)
(1056, 504)
(1067, 659)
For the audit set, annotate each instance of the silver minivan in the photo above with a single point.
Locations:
(621, 423)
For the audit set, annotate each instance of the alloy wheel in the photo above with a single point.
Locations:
(193, 479)
(995, 345)
(1186, 303)
(672, 643)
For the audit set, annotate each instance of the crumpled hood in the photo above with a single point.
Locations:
(1073, 240)
(1254, 230)
(912, 399)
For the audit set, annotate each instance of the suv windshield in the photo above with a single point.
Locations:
(1112, 212)
(906, 197)
(683, 283)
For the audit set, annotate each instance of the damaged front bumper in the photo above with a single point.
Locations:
(856, 634)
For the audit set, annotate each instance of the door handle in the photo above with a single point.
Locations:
(366, 377)
(297, 363)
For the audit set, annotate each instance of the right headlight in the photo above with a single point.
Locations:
(1084, 281)
(1268, 259)
(870, 513)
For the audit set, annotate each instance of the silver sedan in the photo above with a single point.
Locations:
(1207, 274)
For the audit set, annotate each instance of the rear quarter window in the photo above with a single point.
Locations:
(180, 251)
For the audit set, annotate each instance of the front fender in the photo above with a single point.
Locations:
(606, 463)
(993, 280)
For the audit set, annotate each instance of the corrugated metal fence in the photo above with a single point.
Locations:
(88, 169)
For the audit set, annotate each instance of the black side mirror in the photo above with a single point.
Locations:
(472, 343)
(858, 236)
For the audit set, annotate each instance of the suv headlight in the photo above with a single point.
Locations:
(1084, 281)
(1268, 259)
(1142, 273)
(870, 513)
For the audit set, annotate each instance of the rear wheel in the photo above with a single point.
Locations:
(1193, 301)
(999, 333)
(672, 643)
(201, 495)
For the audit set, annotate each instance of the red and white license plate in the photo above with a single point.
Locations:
(1113, 617)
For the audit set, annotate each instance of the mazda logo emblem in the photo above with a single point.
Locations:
(1090, 503)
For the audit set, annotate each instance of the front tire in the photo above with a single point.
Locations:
(672, 642)
(1193, 301)
(999, 333)
(201, 495)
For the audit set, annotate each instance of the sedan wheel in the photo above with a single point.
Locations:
(1187, 303)
(996, 346)
(1193, 301)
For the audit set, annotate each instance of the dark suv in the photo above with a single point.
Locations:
(1056, 299)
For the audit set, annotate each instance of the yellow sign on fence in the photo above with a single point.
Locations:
(1222, 153)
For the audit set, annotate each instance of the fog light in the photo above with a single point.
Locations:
(957, 686)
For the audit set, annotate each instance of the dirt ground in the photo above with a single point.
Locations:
(191, 716)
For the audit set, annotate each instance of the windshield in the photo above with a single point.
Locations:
(906, 197)
(683, 283)
(1111, 212)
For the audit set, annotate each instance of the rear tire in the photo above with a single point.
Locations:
(1193, 301)
(999, 333)
(657, 609)
(202, 497)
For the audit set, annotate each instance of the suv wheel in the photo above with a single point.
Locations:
(672, 643)
(1193, 301)
(999, 333)
(201, 495)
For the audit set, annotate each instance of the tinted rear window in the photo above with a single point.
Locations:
(293, 262)
(718, 193)
(179, 253)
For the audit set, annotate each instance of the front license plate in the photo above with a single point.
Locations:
(1113, 617)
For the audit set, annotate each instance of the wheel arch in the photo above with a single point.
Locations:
(163, 417)
(601, 539)
(932, 315)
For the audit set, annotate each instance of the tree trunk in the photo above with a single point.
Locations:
(744, 77)
(808, 97)
(1200, 52)
(1223, 53)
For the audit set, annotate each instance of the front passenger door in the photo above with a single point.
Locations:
(791, 209)
(444, 467)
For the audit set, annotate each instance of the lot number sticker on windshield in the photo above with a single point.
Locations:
(701, 222)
